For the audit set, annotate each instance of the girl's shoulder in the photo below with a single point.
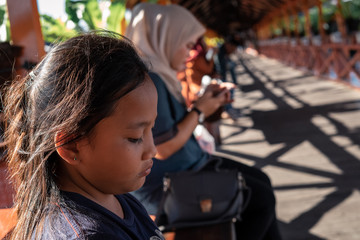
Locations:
(63, 222)
(80, 218)
(135, 206)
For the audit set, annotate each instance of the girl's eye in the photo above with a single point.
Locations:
(135, 140)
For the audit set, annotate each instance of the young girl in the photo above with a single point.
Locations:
(165, 35)
(77, 143)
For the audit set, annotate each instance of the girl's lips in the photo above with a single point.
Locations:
(147, 170)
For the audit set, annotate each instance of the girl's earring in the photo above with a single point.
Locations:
(75, 158)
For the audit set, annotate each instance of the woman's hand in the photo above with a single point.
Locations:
(228, 86)
(215, 95)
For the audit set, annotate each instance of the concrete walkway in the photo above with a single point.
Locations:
(305, 133)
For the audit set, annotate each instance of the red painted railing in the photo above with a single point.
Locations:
(335, 60)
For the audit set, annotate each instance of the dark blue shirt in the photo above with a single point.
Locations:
(85, 219)
(170, 113)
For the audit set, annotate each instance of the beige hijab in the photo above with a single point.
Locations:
(158, 31)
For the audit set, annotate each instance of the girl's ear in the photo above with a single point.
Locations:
(68, 151)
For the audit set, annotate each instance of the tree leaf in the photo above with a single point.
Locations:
(117, 13)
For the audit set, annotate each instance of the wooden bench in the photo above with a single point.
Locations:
(8, 220)
(221, 231)
(8, 216)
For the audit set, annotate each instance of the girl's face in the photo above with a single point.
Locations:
(118, 155)
(178, 61)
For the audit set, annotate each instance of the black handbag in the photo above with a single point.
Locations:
(204, 197)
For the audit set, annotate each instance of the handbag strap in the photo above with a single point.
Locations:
(245, 188)
(166, 187)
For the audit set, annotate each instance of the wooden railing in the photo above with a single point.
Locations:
(335, 60)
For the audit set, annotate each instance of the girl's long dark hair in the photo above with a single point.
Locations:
(75, 86)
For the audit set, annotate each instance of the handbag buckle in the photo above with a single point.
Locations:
(206, 205)
(166, 184)
(242, 183)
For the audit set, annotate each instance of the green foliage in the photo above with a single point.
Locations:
(4, 20)
(2, 14)
(71, 9)
(54, 30)
(86, 15)
(87, 10)
(8, 33)
(328, 11)
(92, 14)
(351, 9)
(314, 20)
(117, 13)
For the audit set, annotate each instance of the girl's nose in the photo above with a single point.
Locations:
(150, 150)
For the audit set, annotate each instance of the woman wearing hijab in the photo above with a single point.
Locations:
(164, 35)
(197, 66)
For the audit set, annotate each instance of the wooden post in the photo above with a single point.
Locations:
(280, 24)
(287, 24)
(272, 28)
(296, 25)
(324, 38)
(264, 31)
(258, 31)
(26, 30)
(123, 25)
(340, 21)
(307, 22)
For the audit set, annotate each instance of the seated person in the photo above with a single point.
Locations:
(164, 36)
(79, 139)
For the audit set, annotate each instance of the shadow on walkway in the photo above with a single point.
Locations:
(305, 133)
